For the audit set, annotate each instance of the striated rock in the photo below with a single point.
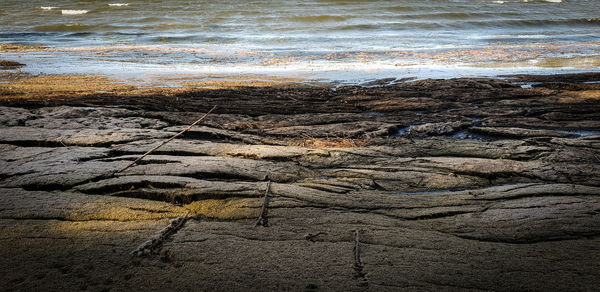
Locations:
(19, 204)
(437, 129)
(79, 137)
(365, 128)
(220, 168)
(519, 132)
(439, 209)
(10, 116)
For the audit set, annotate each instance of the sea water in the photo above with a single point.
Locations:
(345, 40)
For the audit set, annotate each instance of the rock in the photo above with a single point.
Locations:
(19, 204)
(518, 132)
(10, 65)
(220, 168)
(175, 189)
(10, 116)
(433, 211)
(90, 118)
(437, 129)
(355, 129)
(76, 137)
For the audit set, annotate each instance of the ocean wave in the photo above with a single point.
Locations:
(445, 15)
(524, 1)
(73, 12)
(319, 18)
(392, 26)
(78, 34)
(400, 8)
(531, 22)
(118, 4)
(118, 33)
(359, 27)
(151, 19)
(500, 37)
(21, 35)
(470, 24)
(172, 26)
(48, 7)
(169, 39)
(71, 27)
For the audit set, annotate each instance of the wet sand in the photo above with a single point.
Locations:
(460, 184)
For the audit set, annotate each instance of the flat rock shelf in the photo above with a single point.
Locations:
(459, 184)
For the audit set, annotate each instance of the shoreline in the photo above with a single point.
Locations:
(452, 184)
(137, 63)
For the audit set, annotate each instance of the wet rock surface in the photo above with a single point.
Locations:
(461, 184)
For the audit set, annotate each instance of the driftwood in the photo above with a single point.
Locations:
(358, 265)
(357, 261)
(168, 140)
(262, 219)
(311, 236)
(154, 243)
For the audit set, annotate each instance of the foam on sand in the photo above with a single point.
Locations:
(73, 12)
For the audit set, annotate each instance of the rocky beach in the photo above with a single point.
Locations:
(397, 184)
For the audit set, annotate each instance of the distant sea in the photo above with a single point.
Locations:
(335, 40)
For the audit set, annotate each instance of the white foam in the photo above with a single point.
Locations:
(48, 7)
(73, 12)
(553, 1)
(118, 4)
(498, 2)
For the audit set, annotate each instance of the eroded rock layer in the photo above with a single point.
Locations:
(462, 184)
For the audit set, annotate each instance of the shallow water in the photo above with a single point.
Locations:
(321, 39)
